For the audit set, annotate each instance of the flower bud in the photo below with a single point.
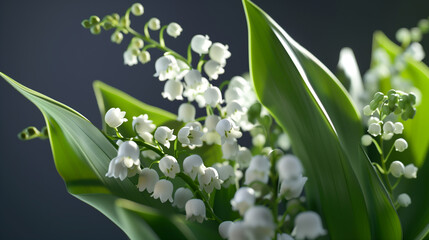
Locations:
(224, 228)
(388, 127)
(115, 117)
(416, 34)
(243, 157)
(190, 136)
(201, 44)
(410, 171)
(260, 219)
(213, 69)
(144, 57)
(219, 53)
(404, 200)
(137, 9)
(288, 167)
(154, 24)
(186, 112)
(387, 136)
(137, 42)
(164, 135)
(85, 23)
(195, 210)
(399, 127)
(169, 166)
(366, 140)
(423, 25)
(181, 197)
(244, 198)
(367, 111)
(94, 20)
(374, 129)
(372, 120)
(130, 56)
(163, 190)
(401, 145)
(174, 29)
(143, 126)
(259, 140)
(95, 29)
(117, 37)
(403, 36)
(166, 67)
(396, 169)
(147, 180)
(308, 225)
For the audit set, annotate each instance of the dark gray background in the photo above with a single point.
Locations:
(43, 46)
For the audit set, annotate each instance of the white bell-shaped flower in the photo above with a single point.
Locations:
(387, 136)
(243, 157)
(229, 150)
(163, 190)
(193, 79)
(234, 110)
(284, 236)
(226, 173)
(211, 122)
(174, 29)
(154, 24)
(166, 68)
(186, 112)
(115, 117)
(288, 167)
(219, 53)
(260, 219)
(283, 141)
(259, 140)
(404, 200)
(126, 160)
(388, 127)
(224, 228)
(201, 44)
(397, 168)
(195, 210)
(190, 136)
(372, 120)
(308, 225)
(239, 82)
(240, 231)
(410, 171)
(150, 154)
(374, 129)
(173, 90)
(213, 69)
(181, 196)
(259, 170)
(400, 145)
(367, 111)
(211, 138)
(292, 187)
(147, 180)
(213, 96)
(169, 166)
(399, 127)
(164, 135)
(227, 130)
(130, 57)
(144, 57)
(143, 126)
(416, 51)
(209, 179)
(137, 9)
(234, 94)
(366, 140)
(244, 198)
(193, 165)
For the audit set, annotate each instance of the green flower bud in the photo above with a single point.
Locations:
(117, 37)
(85, 23)
(44, 132)
(23, 135)
(144, 57)
(378, 96)
(137, 9)
(373, 105)
(107, 26)
(154, 24)
(137, 42)
(412, 98)
(386, 109)
(424, 25)
(397, 110)
(416, 34)
(116, 16)
(124, 21)
(402, 103)
(403, 36)
(94, 20)
(95, 29)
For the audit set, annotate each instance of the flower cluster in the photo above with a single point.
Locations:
(382, 112)
(259, 175)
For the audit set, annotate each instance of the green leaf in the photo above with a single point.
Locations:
(310, 103)
(415, 218)
(82, 155)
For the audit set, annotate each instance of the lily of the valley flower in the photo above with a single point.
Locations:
(261, 221)
(127, 161)
(201, 44)
(115, 117)
(219, 53)
(174, 29)
(244, 198)
(224, 228)
(143, 126)
(366, 140)
(130, 56)
(209, 179)
(169, 166)
(181, 196)
(404, 200)
(227, 130)
(289, 166)
(226, 173)
(213, 69)
(374, 129)
(163, 190)
(308, 225)
(164, 135)
(154, 24)
(400, 145)
(229, 150)
(213, 96)
(186, 112)
(147, 180)
(292, 187)
(173, 90)
(397, 168)
(410, 171)
(259, 170)
(190, 136)
(243, 157)
(166, 67)
(193, 165)
(193, 79)
(388, 127)
(144, 57)
(195, 210)
(399, 127)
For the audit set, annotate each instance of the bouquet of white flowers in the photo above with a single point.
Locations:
(331, 156)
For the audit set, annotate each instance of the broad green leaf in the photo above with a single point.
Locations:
(310, 103)
(415, 218)
(82, 155)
